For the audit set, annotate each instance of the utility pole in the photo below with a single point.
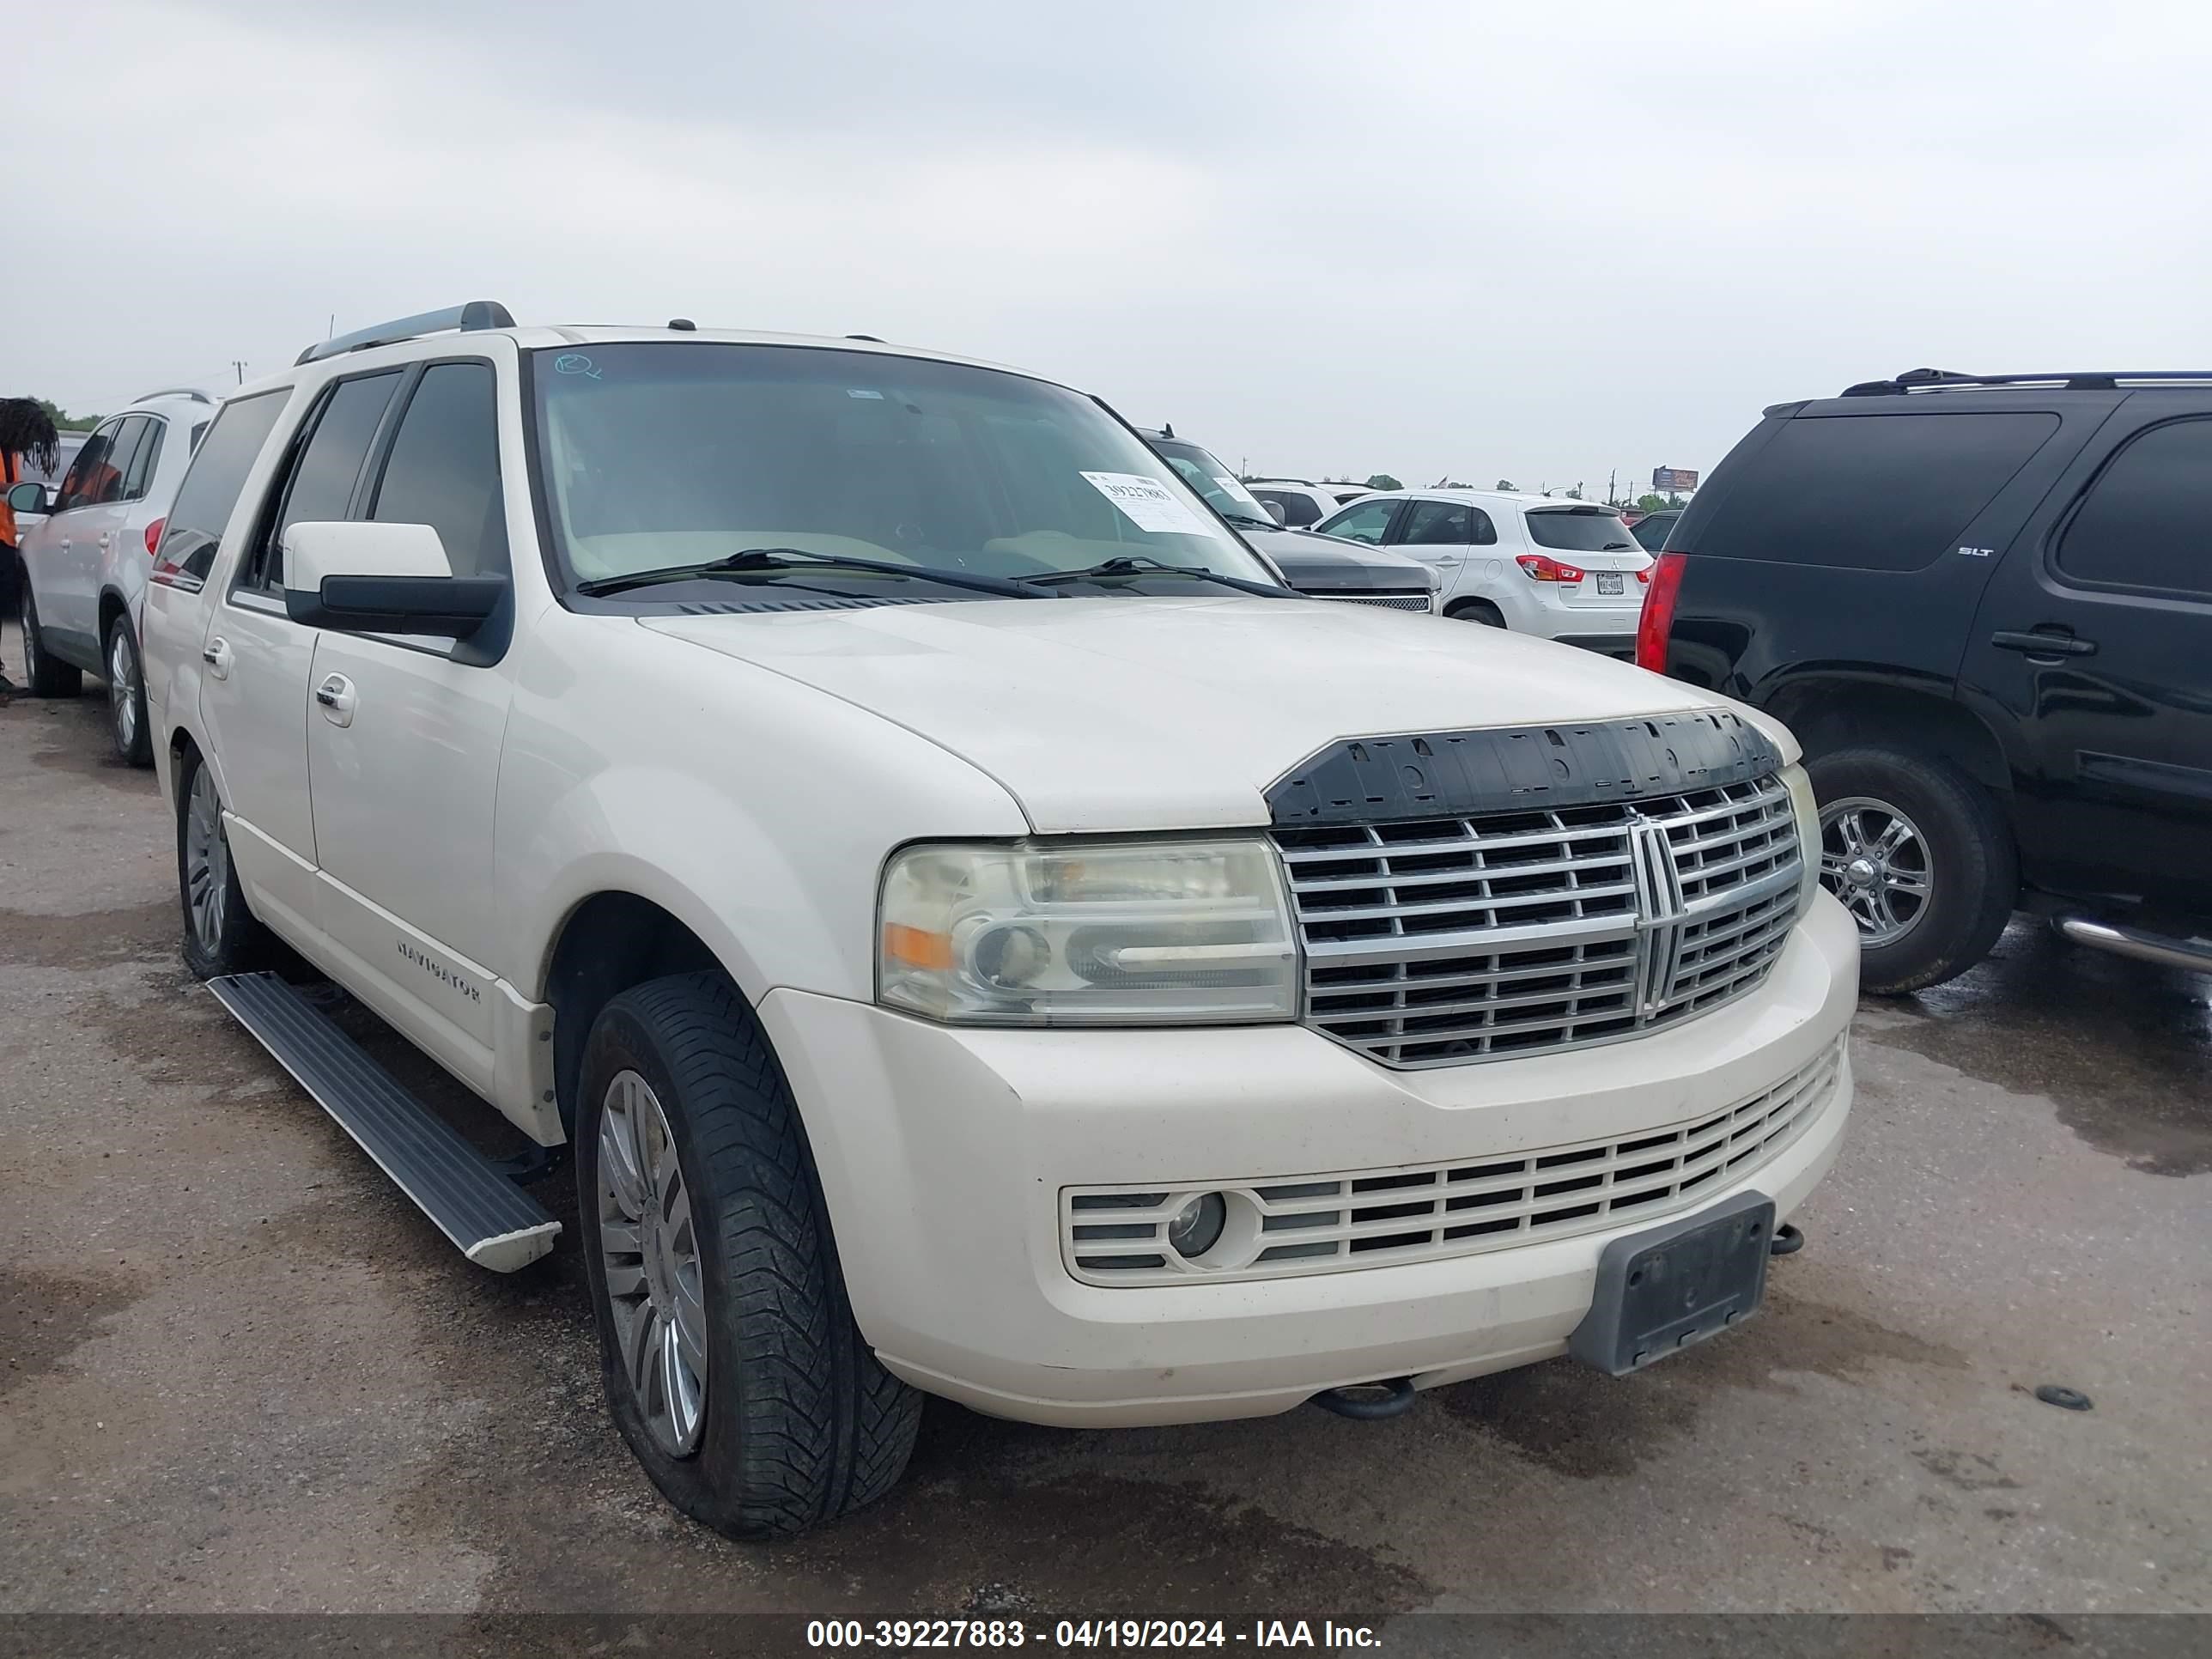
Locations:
(239, 365)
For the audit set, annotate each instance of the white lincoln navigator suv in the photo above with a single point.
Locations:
(975, 933)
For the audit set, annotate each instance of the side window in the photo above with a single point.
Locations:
(1485, 533)
(1433, 524)
(139, 472)
(123, 460)
(1363, 521)
(2147, 520)
(1878, 490)
(199, 431)
(209, 491)
(91, 473)
(444, 467)
(1298, 508)
(323, 477)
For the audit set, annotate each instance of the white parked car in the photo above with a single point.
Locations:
(85, 562)
(975, 935)
(1304, 505)
(1567, 570)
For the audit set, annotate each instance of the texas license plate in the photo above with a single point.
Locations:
(1662, 1291)
(1609, 581)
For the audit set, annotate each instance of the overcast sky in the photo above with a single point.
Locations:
(1539, 242)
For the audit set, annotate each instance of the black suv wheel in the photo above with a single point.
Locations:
(1921, 857)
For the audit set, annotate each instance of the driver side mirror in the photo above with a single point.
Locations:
(1275, 512)
(27, 497)
(382, 579)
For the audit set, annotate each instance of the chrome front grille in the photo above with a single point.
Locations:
(1443, 941)
(1329, 1222)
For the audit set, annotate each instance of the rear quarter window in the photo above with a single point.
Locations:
(1869, 492)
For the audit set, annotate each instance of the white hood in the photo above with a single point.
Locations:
(1171, 714)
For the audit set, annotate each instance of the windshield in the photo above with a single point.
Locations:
(668, 454)
(1580, 530)
(1214, 481)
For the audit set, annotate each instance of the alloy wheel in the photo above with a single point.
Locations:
(122, 691)
(649, 1247)
(207, 862)
(1875, 859)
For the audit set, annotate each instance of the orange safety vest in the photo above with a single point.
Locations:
(8, 514)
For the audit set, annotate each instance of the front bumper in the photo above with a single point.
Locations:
(943, 1153)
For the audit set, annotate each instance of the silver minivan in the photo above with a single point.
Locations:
(85, 563)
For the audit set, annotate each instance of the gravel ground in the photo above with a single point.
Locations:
(239, 1372)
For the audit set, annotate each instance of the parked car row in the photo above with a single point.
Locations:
(1563, 570)
(1301, 504)
(975, 933)
(1319, 567)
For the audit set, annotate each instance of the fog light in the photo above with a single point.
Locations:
(1197, 1226)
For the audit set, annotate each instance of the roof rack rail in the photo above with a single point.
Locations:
(2103, 379)
(476, 315)
(192, 392)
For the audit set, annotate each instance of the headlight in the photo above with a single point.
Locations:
(1096, 934)
(1808, 833)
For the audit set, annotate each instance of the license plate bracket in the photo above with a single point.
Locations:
(1669, 1288)
(1610, 581)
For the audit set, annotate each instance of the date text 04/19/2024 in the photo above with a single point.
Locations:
(1084, 1633)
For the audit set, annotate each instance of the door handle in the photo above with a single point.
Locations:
(105, 539)
(2042, 644)
(336, 695)
(215, 653)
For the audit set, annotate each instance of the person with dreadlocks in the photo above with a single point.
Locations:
(26, 432)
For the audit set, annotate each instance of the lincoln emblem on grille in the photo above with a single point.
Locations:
(1660, 912)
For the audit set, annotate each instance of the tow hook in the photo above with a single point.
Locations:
(1368, 1403)
(1787, 1240)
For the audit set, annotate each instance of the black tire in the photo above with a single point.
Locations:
(41, 673)
(1973, 869)
(238, 943)
(1476, 610)
(801, 1425)
(126, 699)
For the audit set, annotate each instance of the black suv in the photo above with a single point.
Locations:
(1984, 604)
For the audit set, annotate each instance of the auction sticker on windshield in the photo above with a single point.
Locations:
(1147, 502)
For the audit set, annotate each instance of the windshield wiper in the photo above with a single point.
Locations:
(773, 559)
(1245, 520)
(1145, 565)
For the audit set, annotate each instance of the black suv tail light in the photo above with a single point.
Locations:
(1657, 620)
